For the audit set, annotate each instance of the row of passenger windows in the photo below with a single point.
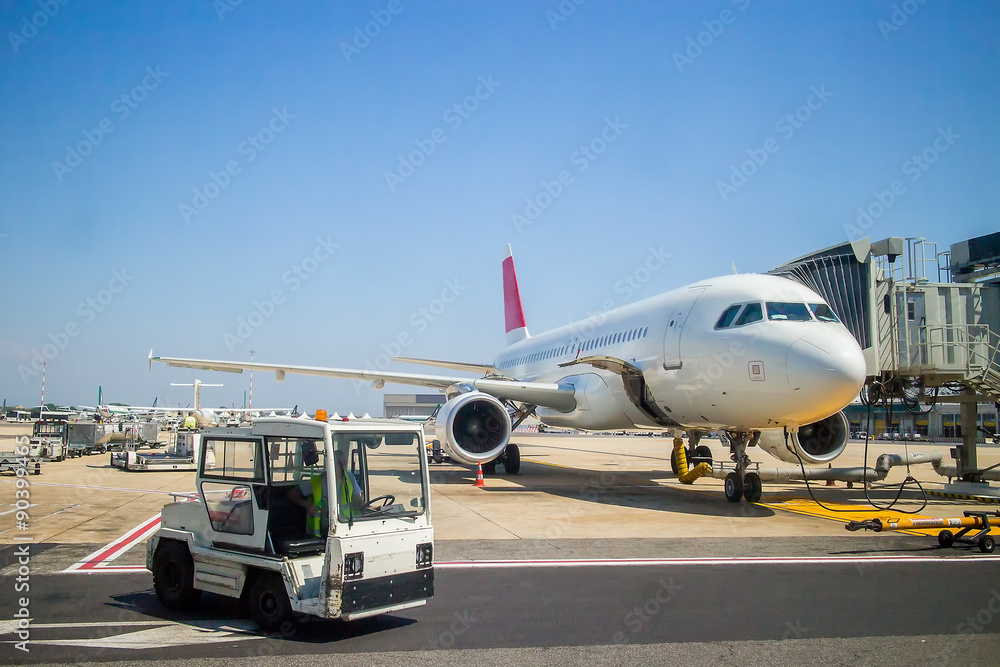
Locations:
(746, 313)
(583, 346)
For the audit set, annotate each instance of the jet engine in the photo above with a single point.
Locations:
(474, 427)
(816, 443)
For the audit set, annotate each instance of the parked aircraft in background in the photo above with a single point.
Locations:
(760, 357)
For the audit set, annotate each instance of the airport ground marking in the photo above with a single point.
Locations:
(152, 634)
(100, 560)
(87, 486)
(747, 560)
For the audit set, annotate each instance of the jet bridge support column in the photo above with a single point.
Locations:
(968, 461)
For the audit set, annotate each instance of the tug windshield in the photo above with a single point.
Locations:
(382, 478)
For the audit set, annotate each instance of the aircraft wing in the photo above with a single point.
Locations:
(556, 396)
(485, 369)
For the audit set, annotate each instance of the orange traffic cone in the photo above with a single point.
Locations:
(479, 476)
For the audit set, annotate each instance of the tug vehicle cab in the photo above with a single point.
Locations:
(361, 545)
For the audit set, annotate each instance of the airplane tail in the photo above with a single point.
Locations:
(517, 330)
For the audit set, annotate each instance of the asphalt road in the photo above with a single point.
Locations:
(944, 611)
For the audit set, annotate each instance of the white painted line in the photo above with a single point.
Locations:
(776, 560)
(165, 635)
(7, 627)
(15, 509)
(86, 486)
(626, 562)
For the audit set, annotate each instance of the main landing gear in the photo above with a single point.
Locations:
(741, 483)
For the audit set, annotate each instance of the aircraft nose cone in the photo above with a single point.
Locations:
(827, 369)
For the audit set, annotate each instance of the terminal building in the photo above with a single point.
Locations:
(410, 405)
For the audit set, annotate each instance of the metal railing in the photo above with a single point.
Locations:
(972, 350)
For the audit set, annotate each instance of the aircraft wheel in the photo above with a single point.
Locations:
(268, 601)
(734, 487)
(673, 462)
(173, 576)
(986, 544)
(490, 467)
(512, 459)
(946, 538)
(702, 454)
(753, 490)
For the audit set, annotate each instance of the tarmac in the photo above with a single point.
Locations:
(586, 495)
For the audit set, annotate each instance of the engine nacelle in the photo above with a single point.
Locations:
(474, 427)
(816, 443)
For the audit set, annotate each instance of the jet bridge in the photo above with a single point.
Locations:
(928, 321)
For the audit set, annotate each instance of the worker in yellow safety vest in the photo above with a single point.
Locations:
(190, 421)
(312, 494)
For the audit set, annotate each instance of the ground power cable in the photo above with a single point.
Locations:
(875, 506)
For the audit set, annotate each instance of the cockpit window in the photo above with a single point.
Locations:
(784, 310)
(752, 313)
(823, 312)
(728, 316)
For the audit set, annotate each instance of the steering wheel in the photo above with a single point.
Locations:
(388, 499)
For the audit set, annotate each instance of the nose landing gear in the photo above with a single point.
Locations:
(740, 483)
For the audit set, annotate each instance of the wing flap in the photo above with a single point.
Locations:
(485, 369)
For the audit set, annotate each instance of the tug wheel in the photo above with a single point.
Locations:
(734, 487)
(986, 544)
(173, 576)
(268, 601)
(946, 538)
(754, 489)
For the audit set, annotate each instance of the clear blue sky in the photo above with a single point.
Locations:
(200, 82)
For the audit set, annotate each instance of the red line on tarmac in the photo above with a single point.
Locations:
(100, 559)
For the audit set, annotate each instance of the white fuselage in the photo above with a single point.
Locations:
(770, 373)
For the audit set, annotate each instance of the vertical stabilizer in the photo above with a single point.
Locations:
(512, 310)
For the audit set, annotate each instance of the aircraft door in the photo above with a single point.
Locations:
(672, 337)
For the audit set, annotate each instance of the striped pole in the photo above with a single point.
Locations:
(41, 408)
(251, 380)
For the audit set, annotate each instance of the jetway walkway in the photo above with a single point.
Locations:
(928, 321)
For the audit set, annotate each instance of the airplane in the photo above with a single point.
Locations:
(760, 357)
(204, 416)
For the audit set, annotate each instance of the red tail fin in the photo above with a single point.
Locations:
(512, 310)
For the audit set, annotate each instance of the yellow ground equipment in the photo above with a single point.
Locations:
(684, 475)
(972, 521)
